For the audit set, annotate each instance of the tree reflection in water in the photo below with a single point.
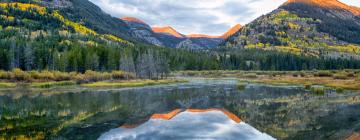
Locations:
(282, 112)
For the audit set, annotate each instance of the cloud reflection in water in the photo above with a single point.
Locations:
(212, 124)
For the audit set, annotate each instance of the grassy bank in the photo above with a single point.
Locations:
(132, 83)
(17, 75)
(52, 84)
(338, 79)
(49, 79)
(7, 85)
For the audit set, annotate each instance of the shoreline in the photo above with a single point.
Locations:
(98, 84)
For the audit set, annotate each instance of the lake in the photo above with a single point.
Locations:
(200, 109)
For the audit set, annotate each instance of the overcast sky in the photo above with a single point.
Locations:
(211, 17)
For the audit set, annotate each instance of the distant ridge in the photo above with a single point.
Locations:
(132, 19)
(168, 30)
(201, 36)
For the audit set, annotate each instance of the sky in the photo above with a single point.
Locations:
(212, 17)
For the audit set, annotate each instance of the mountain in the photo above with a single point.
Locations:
(231, 31)
(323, 28)
(141, 30)
(168, 30)
(91, 16)
(173, 38)
(170, 37)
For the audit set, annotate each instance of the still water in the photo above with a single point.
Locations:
(200, 109)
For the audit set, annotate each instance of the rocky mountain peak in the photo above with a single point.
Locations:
(133, 19)
(231, 31)
(168, 30)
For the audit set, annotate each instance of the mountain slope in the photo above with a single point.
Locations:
(141, 30)
(310, 27)
(231, 31)
(168, 31)
(83, 11)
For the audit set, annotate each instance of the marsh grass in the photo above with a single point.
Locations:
(318, 90)
(337, 79)
(52, 84)
(7, 85)
(241, 86)
(17, 75)
(132, 83)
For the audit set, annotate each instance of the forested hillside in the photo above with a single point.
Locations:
(35, 38)
(304, 27)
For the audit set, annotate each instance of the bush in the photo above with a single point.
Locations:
(357, 78)
(318, 89)
(5, 75)
(19, 75)
(121, 75)
(93, 76)
(80, 78)
(46, 75)
(61, 76)
(250, 75)
(324, 74)
(341, 75)
(34, 74)
(241, 86)
(308, 86)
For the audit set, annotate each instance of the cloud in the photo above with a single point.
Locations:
(211, 17)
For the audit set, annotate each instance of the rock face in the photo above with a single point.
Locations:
(141, 30)
(326, 28)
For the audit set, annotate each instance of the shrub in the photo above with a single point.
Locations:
(241, 86)
(46, 75)
(323, 74)
(308, 86)
(61, 76)
(93, 76)
(351, 74)
(302, 74)
(34, 74)
(318, 89)
(357, 78)
(120, 75)
(5, 75)
(80, 78)
(250, 75)
(341, 75)
(19, 75)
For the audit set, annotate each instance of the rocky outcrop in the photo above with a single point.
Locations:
(141, 30)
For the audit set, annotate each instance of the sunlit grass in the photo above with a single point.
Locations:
(52, 84)
(7, 85)
(132, 83)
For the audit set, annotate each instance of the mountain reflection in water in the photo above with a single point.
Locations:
(190, 124)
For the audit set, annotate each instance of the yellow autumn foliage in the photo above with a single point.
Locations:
(24, 7)
(114, 38)
(77, 27)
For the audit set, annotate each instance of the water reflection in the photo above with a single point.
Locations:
(190, 124)
(282, 112)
